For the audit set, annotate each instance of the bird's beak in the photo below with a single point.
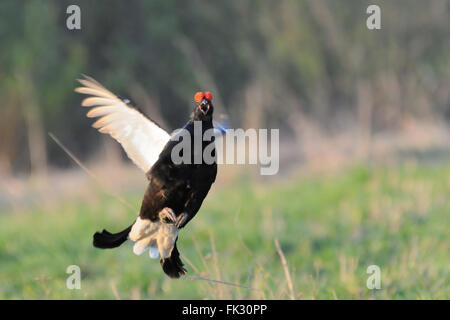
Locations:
(204, 106)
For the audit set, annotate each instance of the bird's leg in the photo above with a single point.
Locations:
(167, 215)
(181, 220)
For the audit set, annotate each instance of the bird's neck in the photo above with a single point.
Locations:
(206, 123)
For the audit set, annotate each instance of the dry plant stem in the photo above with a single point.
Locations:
(91, 174)
(114, 290)
(286, 270)
(183, 257)
(216, 264)
(197, 248)
(220, 282)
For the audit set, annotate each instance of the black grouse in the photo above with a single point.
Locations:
(175, 191)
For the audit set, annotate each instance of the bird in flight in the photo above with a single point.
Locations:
(175, 191)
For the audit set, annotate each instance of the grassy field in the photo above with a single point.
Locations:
(330, 229)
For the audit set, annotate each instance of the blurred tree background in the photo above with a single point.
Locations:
(364, 146)
(272, 64)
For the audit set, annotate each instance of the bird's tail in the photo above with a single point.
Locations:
(108, 240)
(173, 266)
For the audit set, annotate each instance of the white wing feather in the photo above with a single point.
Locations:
(141, 138)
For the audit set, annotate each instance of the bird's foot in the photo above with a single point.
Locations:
(181, 220)
(167, 215)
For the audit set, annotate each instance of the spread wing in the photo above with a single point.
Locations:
(141, 138)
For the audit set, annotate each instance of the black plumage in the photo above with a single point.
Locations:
(175, 192)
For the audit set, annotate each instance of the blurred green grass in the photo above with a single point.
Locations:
(331, 227)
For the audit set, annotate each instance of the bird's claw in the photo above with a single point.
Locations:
(181, 220)
(167, 215)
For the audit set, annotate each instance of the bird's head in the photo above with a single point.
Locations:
(203, 106)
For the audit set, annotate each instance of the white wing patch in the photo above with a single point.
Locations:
(141, 138)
